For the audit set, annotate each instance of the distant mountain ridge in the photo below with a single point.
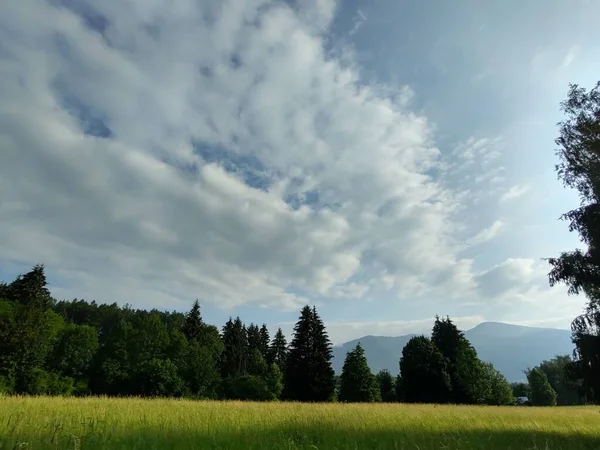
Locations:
(511, 348)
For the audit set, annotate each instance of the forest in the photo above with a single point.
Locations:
(83, 348)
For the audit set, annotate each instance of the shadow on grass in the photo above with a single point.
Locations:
(310, 437)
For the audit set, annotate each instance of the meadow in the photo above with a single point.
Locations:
(106, 423)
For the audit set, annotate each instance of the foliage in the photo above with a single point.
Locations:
(424, 372)
(467, 374)
(278, 350)
(542, 393)
(308, 372)
(499, 391)
(357, 381)
(387, 386)
(557, 371)
(579, 168)
(521, 390)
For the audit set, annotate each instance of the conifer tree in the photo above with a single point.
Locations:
(387, 387)
(264, 340)
(253, 333)
(356, 378)
(424, 372)
(192, 327)
(278, 350)
(308, 372)
(542, 393)
(235, 349)
(467, 374)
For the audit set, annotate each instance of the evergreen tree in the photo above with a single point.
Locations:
(542, 393)
(193, 325)
(308, 372)
(253, 333)
(235, 349)
(264, 340)
(387, 386)
(31, 289)
(467, 374)
(356, 378)
(278, 350)
(424, 372)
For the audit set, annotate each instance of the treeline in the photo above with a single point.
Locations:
(81, 348)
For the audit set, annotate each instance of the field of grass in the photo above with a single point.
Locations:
(94, 423)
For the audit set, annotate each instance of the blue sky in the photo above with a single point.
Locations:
(386, 161)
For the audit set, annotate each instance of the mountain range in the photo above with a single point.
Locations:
(511, 348)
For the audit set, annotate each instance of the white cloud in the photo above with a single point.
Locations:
(487, 233)
(514, 192)
(147, 215)
(570, 57)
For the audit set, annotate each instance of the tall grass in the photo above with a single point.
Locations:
(102, 423)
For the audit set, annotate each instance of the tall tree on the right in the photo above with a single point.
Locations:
(579, 168)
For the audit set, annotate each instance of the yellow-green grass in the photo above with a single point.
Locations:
(92, 423)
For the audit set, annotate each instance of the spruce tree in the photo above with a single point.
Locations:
(264, 341)
(308, 372)
(542, 393)
(278, 350)
(192, 327)
(253, 333)
(235, 349)
(356, 378)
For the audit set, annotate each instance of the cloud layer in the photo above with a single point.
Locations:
(157, 152)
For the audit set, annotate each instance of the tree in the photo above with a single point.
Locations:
(308, 372)
(235, 349)
(356, 378)
(264, 341)
(253, 333)
(193, 325)
(274, 380)
(278, 350)
(158, 378)
(387, 386)
(30, 289)
(499, 390)
(521, 390)
(424, 372)
(542, 393)
(399, 385)
(74, 351)
(579, 168)
(557, 372)
(466, 371)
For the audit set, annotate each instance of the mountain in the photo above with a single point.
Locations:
(511, 348)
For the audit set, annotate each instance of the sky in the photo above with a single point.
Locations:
(386, 161)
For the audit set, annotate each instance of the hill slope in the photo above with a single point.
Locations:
(511, 348)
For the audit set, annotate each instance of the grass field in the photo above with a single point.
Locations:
(57, 423)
